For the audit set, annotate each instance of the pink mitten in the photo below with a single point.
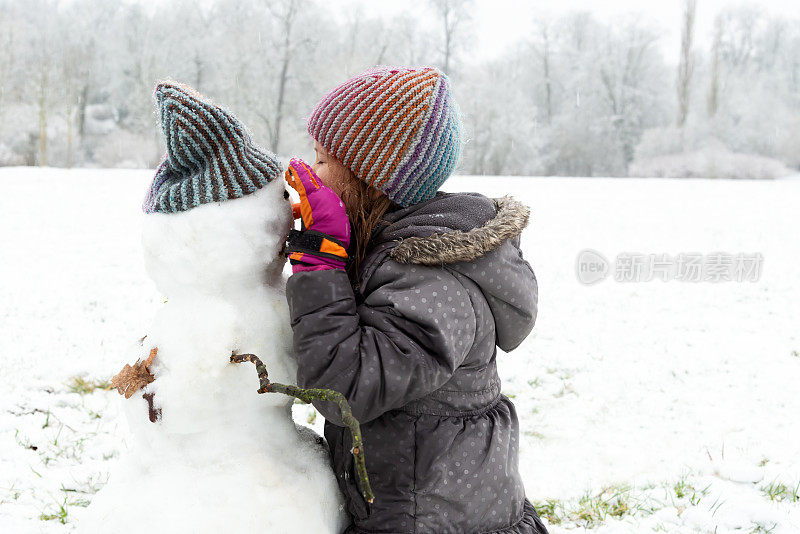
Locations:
(323, 242)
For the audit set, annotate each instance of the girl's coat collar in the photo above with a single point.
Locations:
(449, 228)
(457, 245)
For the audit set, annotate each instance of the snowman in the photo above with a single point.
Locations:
(206, 452)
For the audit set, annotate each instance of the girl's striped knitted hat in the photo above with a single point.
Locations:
(210, 154)
(397, 128)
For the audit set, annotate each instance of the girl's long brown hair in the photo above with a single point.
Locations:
(365, 207)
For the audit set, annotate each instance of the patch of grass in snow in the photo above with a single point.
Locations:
(80, 385)
(77, 501)
(562, 373)
(535, 434)
(12, 492)
(796, 354)
(93, 484)
(779, 492)
(695, 499)
(551, 509)
(52, 443)
(595, 508)
(566, 387)
(775, 491)
(60, 515)
(759, 528)
(592, 509)
(716, 505)
(682, 488)
(685, 490)
(24, 441)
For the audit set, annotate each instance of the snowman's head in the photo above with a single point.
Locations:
(217, 213)
(221, 246)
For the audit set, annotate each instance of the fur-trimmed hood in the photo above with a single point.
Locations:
(453, 227)
(474, 237)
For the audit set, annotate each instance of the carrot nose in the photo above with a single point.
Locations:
(296, 210)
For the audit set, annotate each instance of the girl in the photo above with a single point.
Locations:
(398, 299)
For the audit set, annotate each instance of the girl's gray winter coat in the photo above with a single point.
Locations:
(413, 350)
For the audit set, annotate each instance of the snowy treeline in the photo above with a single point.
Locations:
(576, 96)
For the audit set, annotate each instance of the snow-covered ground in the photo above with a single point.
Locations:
(644, 406)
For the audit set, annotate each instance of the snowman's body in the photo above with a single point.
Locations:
(221, 458)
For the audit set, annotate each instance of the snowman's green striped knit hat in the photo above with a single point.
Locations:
(210, 155)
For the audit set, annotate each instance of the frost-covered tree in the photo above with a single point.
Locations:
(574, 95)
(713, 88)
(686, 62)
(593, 88)
(455, 17)
(500, 119)
(541, 45)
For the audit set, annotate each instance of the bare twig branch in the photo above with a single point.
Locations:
(307, 395)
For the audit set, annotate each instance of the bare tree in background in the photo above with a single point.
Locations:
(737, 43)
(75, 59)
(203, 22)
(415, 42)
(366, 40)
(542, 48)
(7, 48)
(713, 88)
(686, 64)
(42, 63)
(626, 73)
(286, 14)
(454, 15)
(41, 102)
(579, 95)
(70, 64)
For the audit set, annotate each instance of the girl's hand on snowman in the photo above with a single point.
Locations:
(323, 242)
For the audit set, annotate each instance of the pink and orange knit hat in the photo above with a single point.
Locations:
(397, 128)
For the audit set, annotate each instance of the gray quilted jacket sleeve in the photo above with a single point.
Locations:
(514, 326)
(406, 339)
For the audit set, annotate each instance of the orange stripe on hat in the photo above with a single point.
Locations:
(388, 159)
(418, 79)
(393, 163)
(353, 117)
(427, 83)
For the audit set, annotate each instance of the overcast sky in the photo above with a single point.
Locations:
(500, 22)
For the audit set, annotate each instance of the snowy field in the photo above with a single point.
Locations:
(644, 406)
